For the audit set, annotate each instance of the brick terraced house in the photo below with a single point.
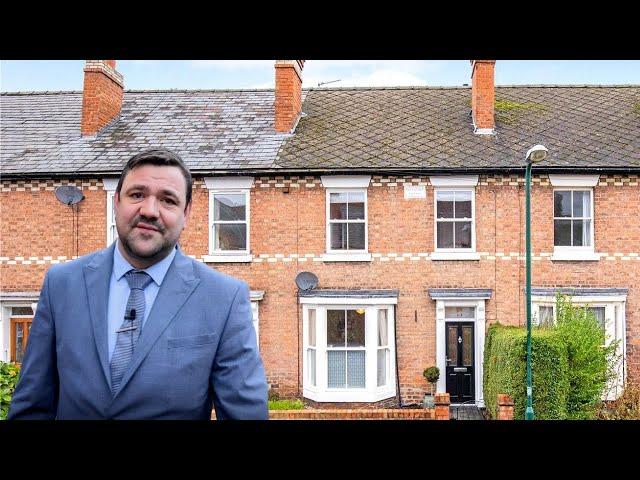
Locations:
(406, 203)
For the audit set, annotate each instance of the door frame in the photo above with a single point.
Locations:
(472, 324)
(478, 341)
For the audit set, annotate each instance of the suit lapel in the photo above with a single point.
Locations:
(97, 274)
(176, 288)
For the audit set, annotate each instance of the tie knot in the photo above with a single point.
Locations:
(137, 279)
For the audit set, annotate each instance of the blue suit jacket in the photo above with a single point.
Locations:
(197, 349)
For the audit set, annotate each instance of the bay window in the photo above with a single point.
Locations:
(348, 345)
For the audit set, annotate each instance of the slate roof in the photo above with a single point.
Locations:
(431, 128)
(211, 130)
(354, 129)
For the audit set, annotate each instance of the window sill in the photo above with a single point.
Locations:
(349, 396)
(575, 256)
(455, 256)
(245, 258)
(346, 257)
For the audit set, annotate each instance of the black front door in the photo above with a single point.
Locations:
(460, 371)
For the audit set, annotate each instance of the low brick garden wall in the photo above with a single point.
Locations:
(440, 412)
(350, 414)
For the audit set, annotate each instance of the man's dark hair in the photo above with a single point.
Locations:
(160, 157)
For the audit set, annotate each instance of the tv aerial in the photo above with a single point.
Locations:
(306, 281)
(330, 81)
(69, 194)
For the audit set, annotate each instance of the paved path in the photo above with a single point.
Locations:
(465, 412)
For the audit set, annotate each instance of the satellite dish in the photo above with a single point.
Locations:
(69, 194)
(306, 281)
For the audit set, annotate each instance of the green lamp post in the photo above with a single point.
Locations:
(534, 155)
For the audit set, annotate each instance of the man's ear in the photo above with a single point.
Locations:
(116, 200)
(187, 214)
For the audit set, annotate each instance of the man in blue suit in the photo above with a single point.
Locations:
(139, 330)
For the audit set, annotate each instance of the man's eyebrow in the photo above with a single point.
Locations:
(171, 193)
(137, 186)
(164, 191)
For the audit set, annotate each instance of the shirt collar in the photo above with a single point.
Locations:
(156, 271)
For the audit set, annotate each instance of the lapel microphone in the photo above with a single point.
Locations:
(132, 317)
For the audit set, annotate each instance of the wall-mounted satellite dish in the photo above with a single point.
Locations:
(69, 194)
(306, 281)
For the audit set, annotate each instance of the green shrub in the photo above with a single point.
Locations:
(9, 374)
(432, 374)
(505, 371)
(273, 394)
(286, 404)
(590, 362)
(570, 365)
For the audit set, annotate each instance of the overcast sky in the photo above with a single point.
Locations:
(55, 75)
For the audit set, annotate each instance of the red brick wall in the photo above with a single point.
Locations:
(288, 94)
(483, 93)
(102, 95)
(34, 224)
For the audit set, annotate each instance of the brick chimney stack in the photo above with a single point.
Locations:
(101, 96)
(288, 95)
(483, 95)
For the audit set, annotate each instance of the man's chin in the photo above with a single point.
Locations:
(144, 251)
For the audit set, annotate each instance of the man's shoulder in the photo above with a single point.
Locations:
(208, 275)
(76, 265)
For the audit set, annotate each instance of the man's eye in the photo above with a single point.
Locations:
(136, 195)
(170, 201)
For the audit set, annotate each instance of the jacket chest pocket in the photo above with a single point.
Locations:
(192, 341)
(192, 355)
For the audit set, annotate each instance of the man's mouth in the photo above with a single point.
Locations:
(146, 226)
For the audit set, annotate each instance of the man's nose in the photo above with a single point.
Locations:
(149, 207)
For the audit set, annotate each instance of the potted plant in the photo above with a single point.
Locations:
(431, 374)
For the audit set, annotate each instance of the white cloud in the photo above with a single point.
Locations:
(376, 78)
(231, 64)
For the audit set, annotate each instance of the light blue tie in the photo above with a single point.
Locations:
(129, 331)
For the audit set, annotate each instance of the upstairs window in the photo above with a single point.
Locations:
(347, 225)
(455, 224)
(229, 219)
(230, 222)
(573, 218)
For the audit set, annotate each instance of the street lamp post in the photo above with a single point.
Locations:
(534, 155)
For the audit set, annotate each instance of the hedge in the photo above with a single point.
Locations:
(505, 371)
(9, 374)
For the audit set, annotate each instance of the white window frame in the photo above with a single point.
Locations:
(256, 320)
(570, 252)
(453, 183)
(341, 184)
(110, 185)
(228, 186)
(371, 393)
(615, 326)
(575, 182)
(478, 343)
(340, 254)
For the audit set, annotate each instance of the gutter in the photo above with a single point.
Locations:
(346, 171)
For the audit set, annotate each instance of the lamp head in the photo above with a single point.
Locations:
(536, 154)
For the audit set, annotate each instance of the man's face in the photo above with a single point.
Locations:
(150, 213)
